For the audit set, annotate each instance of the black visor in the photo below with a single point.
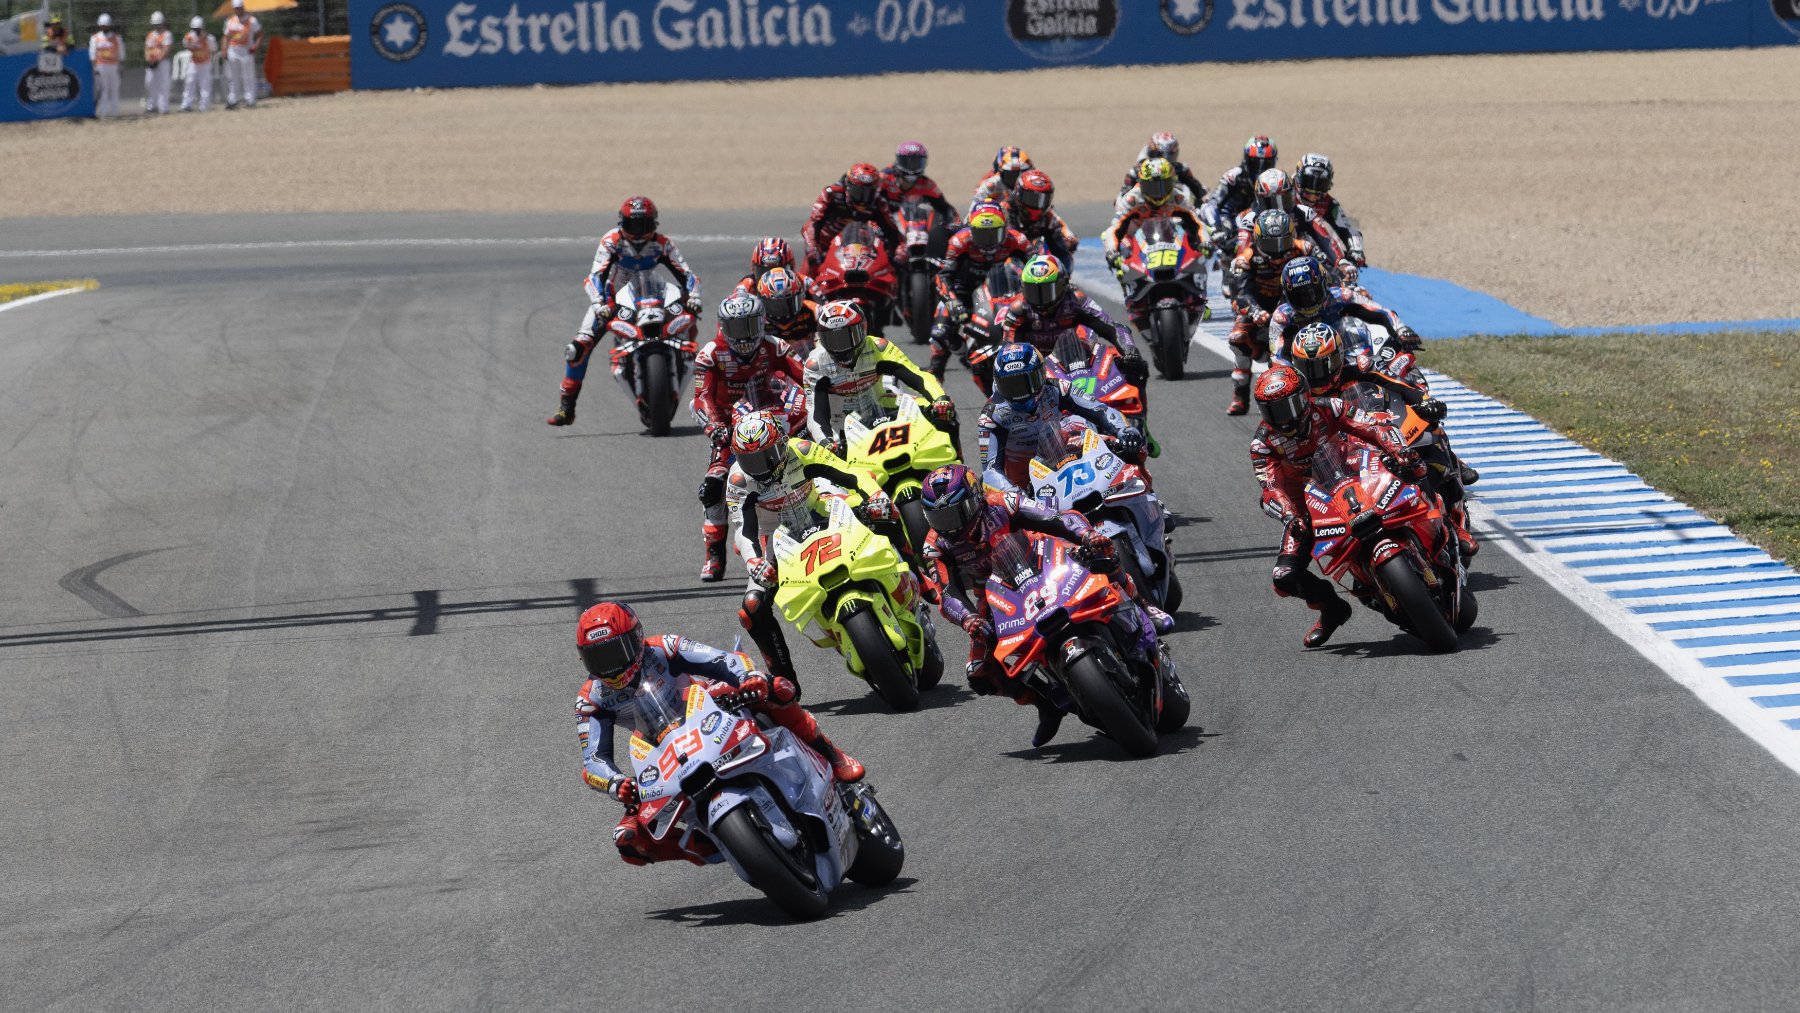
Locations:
(955, 518)
(1020, 386)
(760, 464)
(1309, 297)
(1044, 294)
(638, 226)
(910, 165)
(859, 193)
(739, 330)
(988, 238)
(1036, 200)
(1322, 370)
(1274, 244)
(1009, 178)
(609, 659)
(782, 307)
(1289, 413)
(1254, 167)
(842, 343)
(1157, 189)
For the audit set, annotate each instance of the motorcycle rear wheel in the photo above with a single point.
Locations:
(1417, 603)
(1177, 705)
(1169, 327)
(912, 517)
(883, 667)
(1109, 708)
(771, 869)
(1467, 613)
(659, 394)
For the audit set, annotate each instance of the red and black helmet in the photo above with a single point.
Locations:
(1035, 193)
(611, 643)
(861, 184)
(637, 217)
(1283, 399)
(1259, 155)
(771, 252)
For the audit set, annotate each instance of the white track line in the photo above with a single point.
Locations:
(1760, 711)
(41, 296)
(308, 244)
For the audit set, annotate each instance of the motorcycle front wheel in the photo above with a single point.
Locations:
(883, 667)
(1169, 326)
(1108, 706)
(879, 854)
(659, 394)
(1416, 603)
(770, 867)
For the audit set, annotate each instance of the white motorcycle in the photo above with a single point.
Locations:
(654, 334)
(766, 800)
(1115, 499)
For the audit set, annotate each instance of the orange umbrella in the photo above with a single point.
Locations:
(256, 6)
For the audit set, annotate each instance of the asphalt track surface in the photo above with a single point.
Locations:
(292, 564)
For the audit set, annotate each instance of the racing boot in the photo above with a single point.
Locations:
(798, 720)
(565, 412)
(1164, 622)
(755, 616)
(1469, 475)
(1459, 520)
(1240, 392)
(712, 568)
(1333, 612)
(1049, 720)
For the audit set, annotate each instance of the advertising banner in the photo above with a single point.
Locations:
(45, 86)
(446, 43)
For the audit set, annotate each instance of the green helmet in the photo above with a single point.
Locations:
(1044, 282)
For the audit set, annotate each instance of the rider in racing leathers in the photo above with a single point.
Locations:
(1308, 296)
(1156, 196)
(1052, 308)
(1164, 145)
(791, 310)
(777, 480)
(1293, 428)
(1275, 191)
(905, 180)
(967, 521)
(625, 670)
(1254, 281)
(1025, 414)
(1034, 217)
(848, 361)
(981, 244)
(1312, 187)
(742, 362)
(1236, 189)
(999, 186)
(855, 197)
(769, 254)
(634, 245)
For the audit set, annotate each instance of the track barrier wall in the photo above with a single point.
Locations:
(446, 43)
(44, 86)
(308, 66)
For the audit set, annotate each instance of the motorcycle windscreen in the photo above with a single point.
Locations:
(1014, 561)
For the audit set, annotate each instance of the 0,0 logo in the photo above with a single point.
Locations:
(398, 31)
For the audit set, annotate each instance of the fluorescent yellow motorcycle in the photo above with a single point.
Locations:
(899, 446)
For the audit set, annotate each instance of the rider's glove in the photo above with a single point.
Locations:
(943, 410)
(1431, 409)
(1101, 554)
(977, 628)
(752, 692)
(762, 572)
(693, 303)
(626, 791)
(1130, 444)
(719, 433)
(1405, 464)
(1408, 338)
(835, 445)
(1132, 364)
(878, 508)
(1115, 264)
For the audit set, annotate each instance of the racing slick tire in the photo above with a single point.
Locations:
(659, 394)
(921, 303)
(1467, 612)
(912, 517)
(883, 667)
(1417, 605)
(1176, 705)
(1108, 705)
(771, 868)
(1169, 328)
(880, 854)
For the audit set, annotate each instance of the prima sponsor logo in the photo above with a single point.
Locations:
(1062, 30)
(607, 27)
(1251, 15)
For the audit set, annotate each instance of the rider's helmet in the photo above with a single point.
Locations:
(637, 218)
(611, 643)
(1281, 396)
(1018, 374)
(1312, 178)
(842, 330)
(1035, 194)
(1274, 190)
(909, 161)
(741, 322)
(782, 293)
(1156, 180)
(759, 442)
(1044, 282)
(1011, 163)
(1163, 145)
(862, 184)
(768, 253)
(1274, 234)
(987, 226)
(1259, 155)
(1318, 354)
(954, 502)
(1303, 285)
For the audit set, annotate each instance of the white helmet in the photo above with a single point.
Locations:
(237, 5)
(105, 21)
(156, 18)
(198, 23)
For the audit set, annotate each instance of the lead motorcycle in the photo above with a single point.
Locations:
(653, 345)
(765, 801)
(1075, 639)
(1385, 541)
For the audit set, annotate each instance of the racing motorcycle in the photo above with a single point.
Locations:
(765, 801)
(1113, 496)
(1385, 540)
(856, 266)
(653, 345)
(1164, 281)
(926, 237)
(1092, 369)
(1077, 641)
(899, 446)
(983, 332)
(843, 586)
